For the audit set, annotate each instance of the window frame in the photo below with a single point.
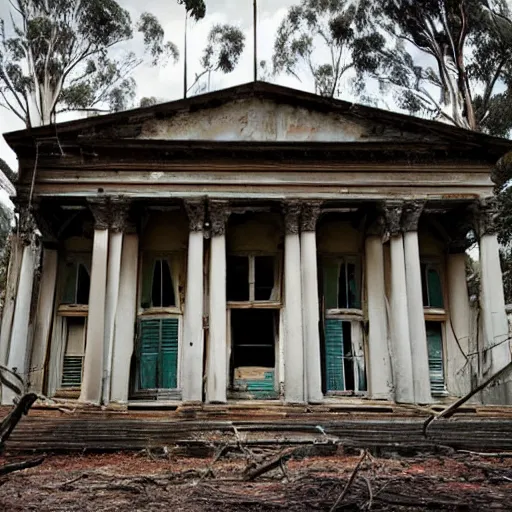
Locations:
(433, 313)
(251, 278)
(59, 339)
(353, 316)
(347, 313)
(175, 262)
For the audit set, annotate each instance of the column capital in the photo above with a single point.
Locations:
(392, 212)
(195, 209)
(291, 210)
(219, 214)
(100, 209)
(119, 215)
(310, 212)
(485, 214)
(411, 214)
(376, 224)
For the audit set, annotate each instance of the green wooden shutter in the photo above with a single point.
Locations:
(335, 380)
(69, 293)
(435, 291)
(435, 357)
(72, 372)
(158, 353)
(169, 353)
(149, 347)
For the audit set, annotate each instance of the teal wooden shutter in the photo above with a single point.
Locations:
(335, 380)
(72, 372)
(435, 291)
(435, 357)
(69, 292)
(169, 353)
(149, 346)
(158, 353)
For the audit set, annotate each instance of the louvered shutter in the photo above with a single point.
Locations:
(169, 353)
(335, 380)
(72, 372)
(149, 348)
(435, 357)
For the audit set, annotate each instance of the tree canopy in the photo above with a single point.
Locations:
(66, 55)
(315, 28)
(225, 45)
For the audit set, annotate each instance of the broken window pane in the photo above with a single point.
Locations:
(342, 288)
(83, 285)
(237, 278)
(435, 292)
(162, 290)
(264, 277)
(331, 270)
(353, 287)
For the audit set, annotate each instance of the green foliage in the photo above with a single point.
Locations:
(450, 59)
(334, 25)
(224, 48)
(67, 55)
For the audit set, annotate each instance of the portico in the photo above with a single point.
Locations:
(297, 271)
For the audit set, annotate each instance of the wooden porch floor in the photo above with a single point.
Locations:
(368, 424)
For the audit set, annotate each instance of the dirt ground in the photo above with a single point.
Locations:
(168, 481)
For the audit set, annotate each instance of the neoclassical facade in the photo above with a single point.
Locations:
(256, 243)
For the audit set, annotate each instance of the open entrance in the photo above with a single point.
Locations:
(253, 353)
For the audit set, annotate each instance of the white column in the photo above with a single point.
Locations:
(293, 335)
(126, 317)
(11, 288)
(493, 304)
(458, 373)
(91, 389)
(417, 331)
(115, 247)
(216, 385)
(17, 357)
(400, 343)
(193, 333)
(44, 319)
(380, 378)
(311, 318)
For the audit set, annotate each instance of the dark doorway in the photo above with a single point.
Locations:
(253, 346)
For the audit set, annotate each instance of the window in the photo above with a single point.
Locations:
(343, 347)
(341, 281)
(431, 286)
(435, 357)
(158, 289)
(77, 282)
(158, 353)
(75, 352)
(252, 278)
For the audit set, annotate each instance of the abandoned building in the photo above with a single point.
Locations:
(254, 243)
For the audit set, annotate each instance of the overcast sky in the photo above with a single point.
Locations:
(166, 83)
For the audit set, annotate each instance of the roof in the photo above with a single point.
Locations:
(72, 129)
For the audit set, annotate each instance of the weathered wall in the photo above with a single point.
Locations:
(254, 233)
(165, 231)
(263, 120)
(338, 237)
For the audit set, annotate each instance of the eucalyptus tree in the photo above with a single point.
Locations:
(449, 59)
(222, 53)
(325, 39)
(68, 55)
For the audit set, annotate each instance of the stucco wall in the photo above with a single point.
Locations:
(263, 120)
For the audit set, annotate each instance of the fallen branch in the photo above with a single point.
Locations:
(449, 411)
(12, 419)
(501, 455)
(349, 483)
(18, 466)
(273, 463)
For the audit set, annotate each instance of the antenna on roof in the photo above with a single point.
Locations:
(255, 30)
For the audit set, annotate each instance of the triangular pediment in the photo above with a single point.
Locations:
(268, 120)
